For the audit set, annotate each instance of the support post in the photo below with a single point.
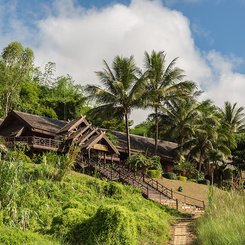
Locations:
(177, 204)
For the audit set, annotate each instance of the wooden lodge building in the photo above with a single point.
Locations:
(46, 134)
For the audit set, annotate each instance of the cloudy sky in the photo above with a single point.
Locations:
(208, 36)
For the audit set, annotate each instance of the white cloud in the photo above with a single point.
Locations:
(78, 39)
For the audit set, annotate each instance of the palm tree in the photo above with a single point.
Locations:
(234, 117)
(180, 119)
(121, 91)
(210, 134)
(163, 83)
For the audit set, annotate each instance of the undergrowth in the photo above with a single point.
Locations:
(38, 206)
(224, 221)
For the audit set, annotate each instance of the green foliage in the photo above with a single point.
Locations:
(10, 236)
(170, 175)
(180, 189)
(141, 162)
(223, 222)
(228, 174)
(154, 173)
(182, 178)
(111, 225)
(66, 224)
(112, 138)
(142, 129)
(204, 182)
(186, 168)
(31, 200)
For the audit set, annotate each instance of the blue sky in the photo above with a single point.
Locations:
(206, 35)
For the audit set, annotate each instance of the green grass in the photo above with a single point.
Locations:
(224, 221)
(79, 209)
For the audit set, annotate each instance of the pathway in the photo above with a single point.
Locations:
(182, 233)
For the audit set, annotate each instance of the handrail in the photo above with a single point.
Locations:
(34, 140)
(126, 175)
(174, 192)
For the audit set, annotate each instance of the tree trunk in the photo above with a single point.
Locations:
(7, 105)
(127, 133)
(156, 129)
(200, 163)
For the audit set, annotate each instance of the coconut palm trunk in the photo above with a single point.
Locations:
(156, 129)
(127, 133)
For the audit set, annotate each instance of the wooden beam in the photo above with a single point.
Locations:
(100, 147)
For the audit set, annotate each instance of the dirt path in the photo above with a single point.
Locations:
(182, 233)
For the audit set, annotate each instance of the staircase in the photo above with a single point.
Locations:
(150, 188)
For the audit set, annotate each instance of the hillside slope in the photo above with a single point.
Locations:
(77, 210)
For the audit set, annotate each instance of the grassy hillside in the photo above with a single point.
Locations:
(79, 209)
(224, 221)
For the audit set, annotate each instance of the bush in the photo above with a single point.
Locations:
(204, 182)
(111, 225)
(182, 178)
(180, 189)
(10, 236)
(65, 225)
(228, 174)
(154, 173)
(170, 175)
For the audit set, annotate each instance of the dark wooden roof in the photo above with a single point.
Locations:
(166, 149)
(37, 123)
(72, 124)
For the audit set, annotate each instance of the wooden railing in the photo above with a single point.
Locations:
(33, 141)
(151, 188)
(174, 194)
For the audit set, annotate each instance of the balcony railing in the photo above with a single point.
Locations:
(36, 142)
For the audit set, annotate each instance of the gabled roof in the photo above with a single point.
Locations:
(37, 123)
(98, 137)
(73, 124)
(144, 144)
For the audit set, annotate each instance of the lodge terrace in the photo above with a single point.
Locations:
(47, 134)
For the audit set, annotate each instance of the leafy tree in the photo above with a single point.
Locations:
(121, 91)
(234, 117)
(164, 82)
(16, 67)
(65, 98)
(142, 129)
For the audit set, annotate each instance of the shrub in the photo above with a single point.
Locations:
(182, 178)
(65, 225)
(228, 174)
(111, 225)
(170, 175)
(197, 175)
(113, 189)
(180, 189)
(139, 162)
(154, 173)
(204, 182)
(186, 168)
(10, 236)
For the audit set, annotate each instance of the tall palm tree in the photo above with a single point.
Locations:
(121, 91)
(210, 134)
(163, 83)
(234, 117)
(180, 119)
